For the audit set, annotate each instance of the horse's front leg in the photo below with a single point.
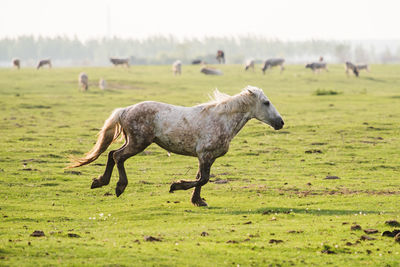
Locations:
(202, 178)
(196, 198)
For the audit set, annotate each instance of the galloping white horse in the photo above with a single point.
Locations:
(203, 131)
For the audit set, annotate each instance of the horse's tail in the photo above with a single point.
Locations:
(108, 134)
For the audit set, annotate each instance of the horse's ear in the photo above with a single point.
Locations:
(252, 93)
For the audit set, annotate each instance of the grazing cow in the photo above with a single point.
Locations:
(352, 67)
(44, 62)
(102, 84)
(317, 66)
(120, 61)
(273, 62)
(220, 57)
(197, 62)
(203, 131)
(177, 67)
(210, 71)
(83, 81)
(363, 67)
(249, 64)
(16, 63)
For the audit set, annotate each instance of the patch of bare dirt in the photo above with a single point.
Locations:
(391, 233)
(331, 177)
(371, 231)
(152, 239)
(313, 151)
(295, 231)
(38, 233)
(204, 234)
(275, 241)
(393, 223)
(355, 227)
(73, 235)
(365, 237)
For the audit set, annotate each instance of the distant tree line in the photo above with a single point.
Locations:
(166, 49)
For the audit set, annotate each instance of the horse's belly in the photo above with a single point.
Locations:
(181, 146)
(176, 131)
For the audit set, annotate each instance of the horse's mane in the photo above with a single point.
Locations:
(224, 103)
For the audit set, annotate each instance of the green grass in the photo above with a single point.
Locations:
(272, 182)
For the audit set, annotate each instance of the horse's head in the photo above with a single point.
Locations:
(263, 110)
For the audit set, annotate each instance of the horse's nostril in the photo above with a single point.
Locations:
(283, 123)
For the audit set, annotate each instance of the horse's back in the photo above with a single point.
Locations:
(175, 128)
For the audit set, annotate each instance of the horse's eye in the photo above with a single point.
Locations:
(266, 103)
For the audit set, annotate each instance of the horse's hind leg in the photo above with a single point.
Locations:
(105, 178)
(119, 157)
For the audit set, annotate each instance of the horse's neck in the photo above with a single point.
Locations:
(236, 121)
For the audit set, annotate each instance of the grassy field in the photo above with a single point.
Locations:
(269, 201)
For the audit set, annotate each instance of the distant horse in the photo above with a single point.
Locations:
(102, 84)
(317, 66)
(196, 62)
(177, 67)
(249, 64)
(363, 67)
(273, 62)
(210, 71)
(44, 62)
(120, 61)
(203, 131)
(16, 63)
(83, 81)
(352, 67)
(220, 57)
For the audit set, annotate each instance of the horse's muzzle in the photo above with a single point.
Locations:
(278, 124)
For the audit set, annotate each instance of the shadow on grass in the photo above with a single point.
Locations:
(373, 79)
(4, 252)
(276, 210)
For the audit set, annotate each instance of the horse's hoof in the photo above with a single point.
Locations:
(96, 183)
(200, 203)
(118, 191)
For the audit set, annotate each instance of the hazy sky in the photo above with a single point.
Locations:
(283, 19)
